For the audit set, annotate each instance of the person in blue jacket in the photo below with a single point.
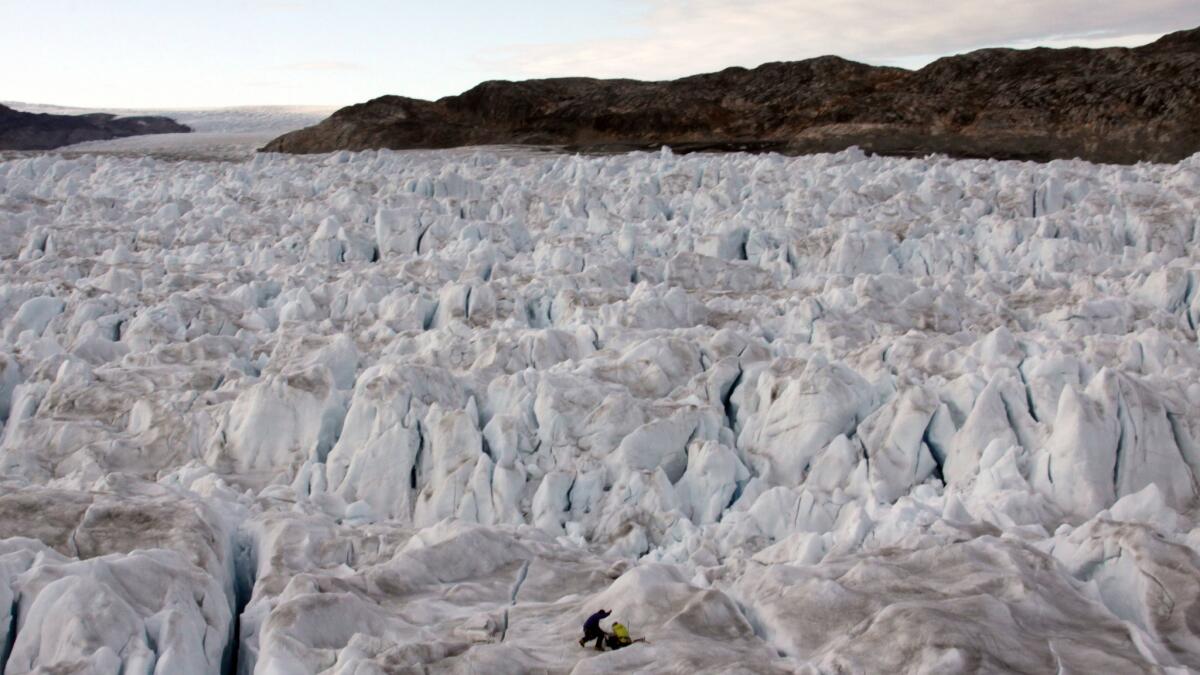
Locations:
(592, 630)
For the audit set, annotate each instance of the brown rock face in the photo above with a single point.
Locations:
(1108, 105)
(39, 131)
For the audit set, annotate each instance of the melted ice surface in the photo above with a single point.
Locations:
(832, 413)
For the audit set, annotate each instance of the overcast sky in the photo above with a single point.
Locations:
(163, 53)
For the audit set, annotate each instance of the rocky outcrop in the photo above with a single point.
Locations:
(39, 131)
(1110, 105)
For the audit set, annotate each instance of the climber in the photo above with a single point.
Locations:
(619, 637)
(592, 630)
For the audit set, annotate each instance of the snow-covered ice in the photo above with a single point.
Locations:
(426, 411)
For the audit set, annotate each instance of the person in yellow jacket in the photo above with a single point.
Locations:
(620, 636)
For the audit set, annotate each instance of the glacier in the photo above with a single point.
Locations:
(393, 412)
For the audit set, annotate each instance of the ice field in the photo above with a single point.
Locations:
(424, 412)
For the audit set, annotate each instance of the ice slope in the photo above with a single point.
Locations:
(426, 411)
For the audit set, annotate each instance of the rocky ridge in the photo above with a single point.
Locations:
(1107, 105)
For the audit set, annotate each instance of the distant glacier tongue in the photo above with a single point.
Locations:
(428, 411)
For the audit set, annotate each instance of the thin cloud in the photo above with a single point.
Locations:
(282, 6)
(678, 37)
(323, 65)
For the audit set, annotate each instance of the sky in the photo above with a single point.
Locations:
(211, 53)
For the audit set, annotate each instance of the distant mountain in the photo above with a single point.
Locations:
(224, 119)
(40, 131)
(1109, 105)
